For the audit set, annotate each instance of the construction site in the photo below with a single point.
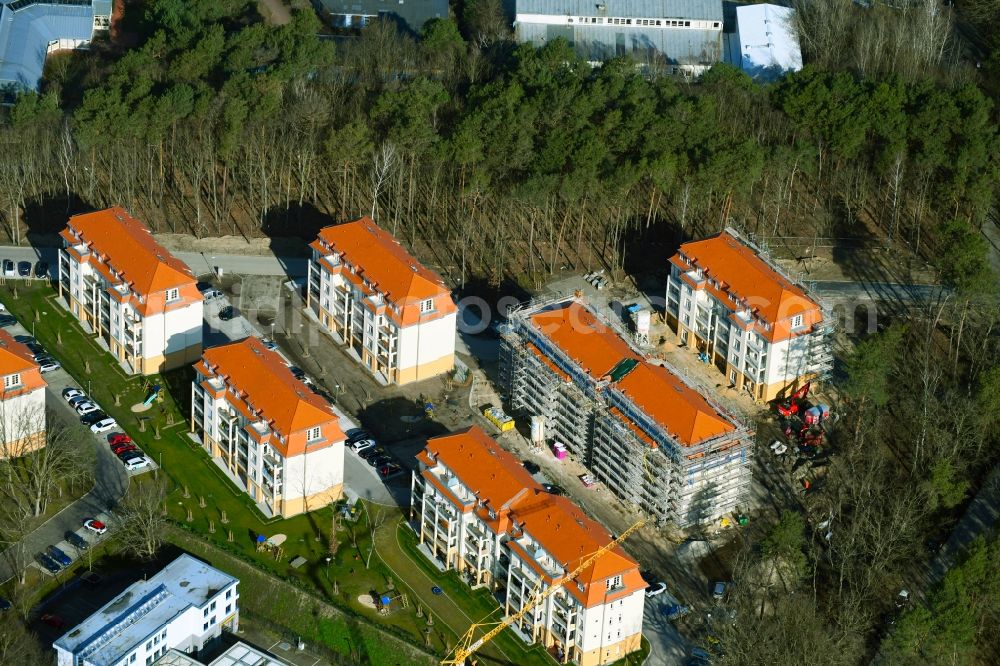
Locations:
(635, 422)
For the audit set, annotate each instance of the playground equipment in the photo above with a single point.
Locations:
(154, 394)
(429, 410)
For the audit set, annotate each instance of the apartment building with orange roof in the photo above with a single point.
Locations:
(280, 442)
(477, 511)
(763, 330)
(22, 400)
(392, 313)
(643, 430)
(130, 291)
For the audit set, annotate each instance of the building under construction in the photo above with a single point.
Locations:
(639, 426)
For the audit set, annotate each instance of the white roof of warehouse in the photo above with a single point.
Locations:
(239, 654)
(768, 45)
(691, 9)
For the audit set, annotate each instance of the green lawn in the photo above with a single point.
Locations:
(459, 606)
(189, 468)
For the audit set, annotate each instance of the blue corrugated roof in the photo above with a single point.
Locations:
(28, 27)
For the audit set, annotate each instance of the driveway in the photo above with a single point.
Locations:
(667, 646)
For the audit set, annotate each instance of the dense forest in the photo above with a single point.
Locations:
(492, 158)
(498, 161)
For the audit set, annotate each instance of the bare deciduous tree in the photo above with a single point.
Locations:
(142, 519)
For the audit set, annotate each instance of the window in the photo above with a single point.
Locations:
(149, 660)
(131, 659)
(229, 608)
(10, 381)
(173, 294)
(204, 613)
(149, 645)
(312, 435)
(796, 321)
(614, 582)
(229, 593)
(212, 606)
(427, 305)
(204, 627)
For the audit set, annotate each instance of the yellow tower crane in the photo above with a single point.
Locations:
(468, 644)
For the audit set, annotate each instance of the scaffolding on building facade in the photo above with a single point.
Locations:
(644, 465)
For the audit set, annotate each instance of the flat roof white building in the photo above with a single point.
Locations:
(183, 606)
(766, 46)
(239, 654)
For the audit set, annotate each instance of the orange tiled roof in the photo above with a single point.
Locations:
(679, 409)
(684, 412)
(583, 337)
(481, 465)
(561, 527)
(130, 249)
(17, 358)
(266, 384)
(741, 272)
(379, 258)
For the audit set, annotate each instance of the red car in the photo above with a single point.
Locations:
(124, 448)
(119, 438)
(53, 621)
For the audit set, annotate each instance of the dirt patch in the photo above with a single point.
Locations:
(234, 245)
(274, 12)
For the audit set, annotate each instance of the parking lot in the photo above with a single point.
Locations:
(110, 477)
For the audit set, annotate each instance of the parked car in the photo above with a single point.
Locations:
(389, 471)
(269, 344)
(137, 463)
(227, 313)
(95, 526)
(553, 489)
(699, 657)
(48, 563)
(371, 452)
(35, 348)
(4, 605)
(379, 461)
(86, 407)
(718, 590)
(130, 455)
(41, 269)
(59, 556)
(531, 467)
(6, 320)
(48, 365)
(93, 417)
(77, 401)
(356, 435)
(70, 393)
(656, 589)
(362, 444)
(8, 268)
(24, 268)
(103, 425)
(117, 438)
(22, 338)
(76, 540)
(121, 449)
(587, 480)
(53, 621)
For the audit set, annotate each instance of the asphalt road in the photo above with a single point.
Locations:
(199, 262)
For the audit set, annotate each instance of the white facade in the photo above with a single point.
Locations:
(426, 343)
(749, 356)
(313, 473)
(22, 418)
(183, 607)
(142, 342)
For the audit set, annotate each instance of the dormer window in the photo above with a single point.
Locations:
(12, 381)
(797, 321)
(427, 305)
(614, 582)
(173, 294)
(313, 434)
